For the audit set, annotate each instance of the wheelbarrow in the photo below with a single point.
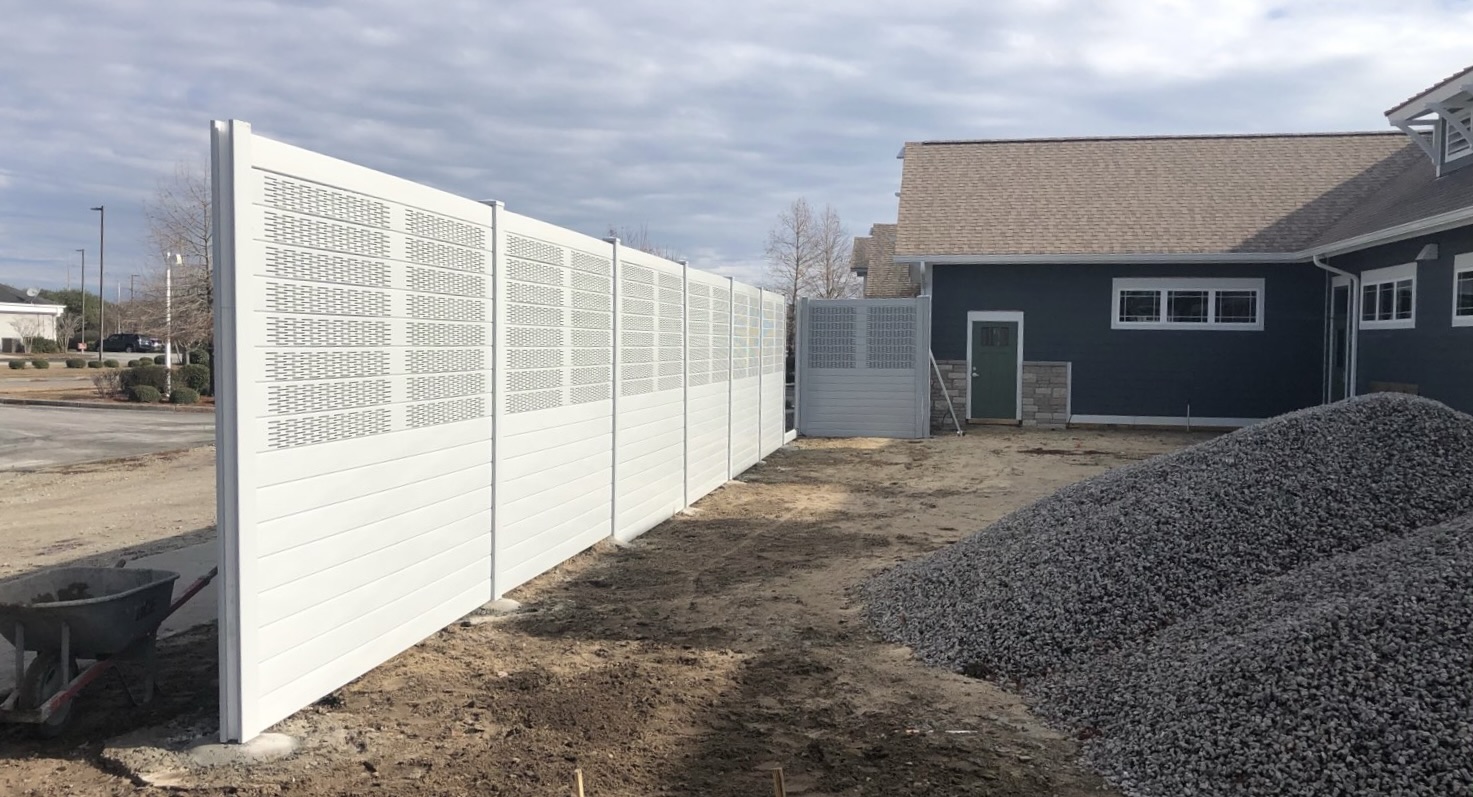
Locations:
(101, 614)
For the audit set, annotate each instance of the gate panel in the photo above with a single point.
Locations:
(555, 467)
(864, 368)
(649, 429)
(354, 429)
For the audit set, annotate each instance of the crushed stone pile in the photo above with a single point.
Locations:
(1353, 676)
(1122, 555)
(1285, 609)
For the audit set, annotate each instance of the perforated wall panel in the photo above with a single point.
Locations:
(555, 464)
(708, 396)
(649, 432)
(746, 390)
(864, 368)
(355, 387)
(774, 371)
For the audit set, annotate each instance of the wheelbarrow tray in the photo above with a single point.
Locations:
(105, 608)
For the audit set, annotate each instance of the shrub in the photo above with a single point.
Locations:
(44, 346)
(160, 359)
(154, 376)
(40, 363)
(107, 383)
(76, 362)
(93, 364)
(195, 377)
(144, 394)
(199, 357)
(184, 395)
(132, 363)
(109, 363)
(16, 365)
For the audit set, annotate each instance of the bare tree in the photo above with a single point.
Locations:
(179, 224)
(68, 326)
(640, 238)
(791, 254)
(33, 327)
(832, 276)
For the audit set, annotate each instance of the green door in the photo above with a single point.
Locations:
(994, 370)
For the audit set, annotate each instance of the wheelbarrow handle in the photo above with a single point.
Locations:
(194, 589)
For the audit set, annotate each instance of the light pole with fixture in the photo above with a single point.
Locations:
(101, 297)
(171, 259)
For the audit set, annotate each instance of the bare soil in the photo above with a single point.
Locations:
(722, 644)
(98, 512)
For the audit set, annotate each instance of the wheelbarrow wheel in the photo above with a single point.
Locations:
(42, 681)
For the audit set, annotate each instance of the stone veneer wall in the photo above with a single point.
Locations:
(955, 374)
(1046, 394)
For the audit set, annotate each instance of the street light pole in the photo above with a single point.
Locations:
(101, 297)
(170, 260)
(82, 336)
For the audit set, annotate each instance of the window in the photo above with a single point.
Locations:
(1388, 297)
(1188, 303)
(1454, 144)
(1463, 290)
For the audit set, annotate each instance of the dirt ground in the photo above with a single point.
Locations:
(96, 513)
(721, 644)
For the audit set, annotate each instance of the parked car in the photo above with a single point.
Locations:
(131, 342)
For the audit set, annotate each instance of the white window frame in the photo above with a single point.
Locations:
(1211, 285)
(1462, 264)
(1381, 276)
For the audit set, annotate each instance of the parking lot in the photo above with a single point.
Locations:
(36, 437)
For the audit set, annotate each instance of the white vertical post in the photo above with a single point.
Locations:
(615, 326)
(685, 383)
(231, 175)
(730, 370)
(499, 340)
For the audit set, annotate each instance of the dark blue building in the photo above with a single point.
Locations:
(1204, 280)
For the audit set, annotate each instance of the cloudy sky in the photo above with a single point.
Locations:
(698, 120)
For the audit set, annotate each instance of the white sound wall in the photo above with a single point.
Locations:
(425, 401)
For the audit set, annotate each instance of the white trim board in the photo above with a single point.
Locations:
(1015, 316)
(1164, 420)
(1462, 264)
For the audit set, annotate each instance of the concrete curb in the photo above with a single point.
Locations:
(108, 405)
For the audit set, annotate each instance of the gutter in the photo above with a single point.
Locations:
(1352, 318)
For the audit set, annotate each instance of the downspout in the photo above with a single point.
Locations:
(1352, 319)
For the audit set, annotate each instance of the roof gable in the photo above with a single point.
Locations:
(1158, 195)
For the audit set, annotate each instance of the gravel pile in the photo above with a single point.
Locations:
(1120, 556)
(1284, 610)
(1353, 676)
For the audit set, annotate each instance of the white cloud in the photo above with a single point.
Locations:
(699, 121)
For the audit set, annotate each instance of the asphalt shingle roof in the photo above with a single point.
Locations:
(9, 295)
(1169, 194)
(886, 279)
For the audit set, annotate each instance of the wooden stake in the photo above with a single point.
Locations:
(778, 789)
(577, 783)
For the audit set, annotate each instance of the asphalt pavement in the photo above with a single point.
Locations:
(37, 437)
